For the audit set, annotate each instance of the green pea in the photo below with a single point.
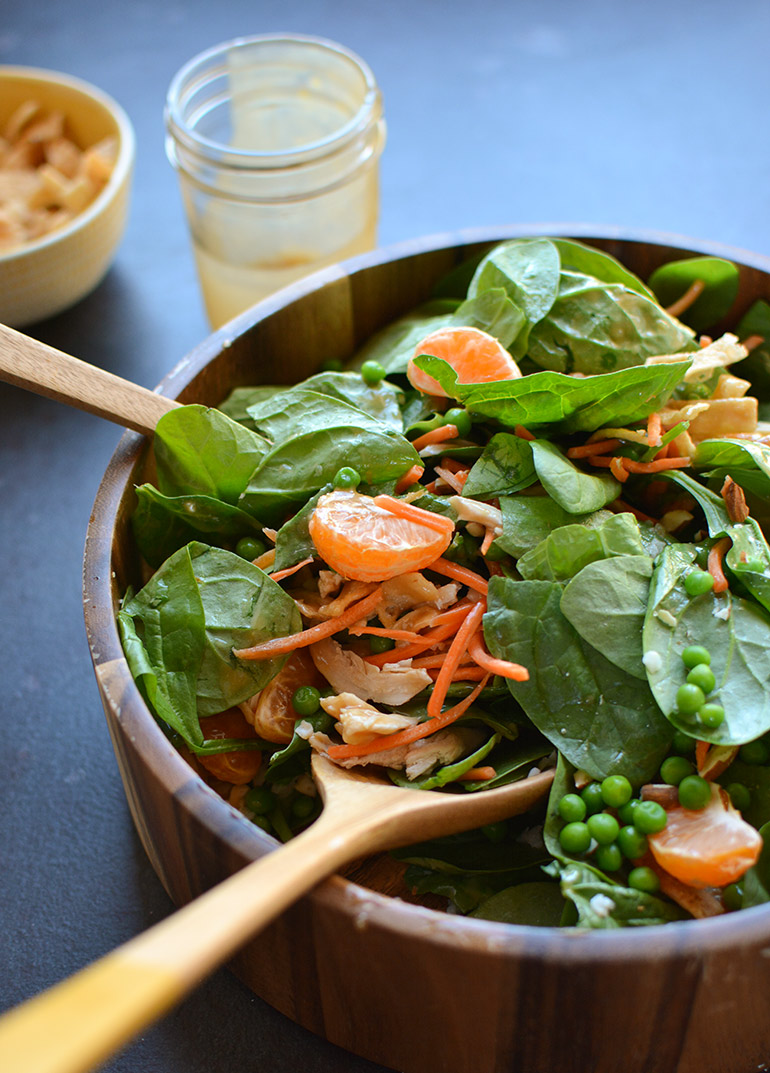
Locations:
(303, 806)
(306, 700)
(697, 582)
(694, 792)
(682, 744)
(572, 807)
(754, 752)
(377, 645)
(495, 832)
(632, 843)
(616, 791)
(346, 478)
(626, 812)
(740, 795)
(711, 715)
(643, 879)
(695, 654)
(603, 827)
(373, 372)
(592, 795)
(650, 817)
(260, 800)
(702, 676)
(609, 858)
(460, 418)
(250, 548)
(689, 698)
(732, 897)
(575, 837)
(674, 769)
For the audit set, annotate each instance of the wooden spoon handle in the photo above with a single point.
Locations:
(33, 365)
(80, 1022)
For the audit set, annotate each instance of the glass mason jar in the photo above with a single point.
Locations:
(276, 141)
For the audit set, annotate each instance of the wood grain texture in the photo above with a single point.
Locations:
(401, 984)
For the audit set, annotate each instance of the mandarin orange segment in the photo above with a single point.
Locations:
(475, 356)
(710, 847)
(364, 542)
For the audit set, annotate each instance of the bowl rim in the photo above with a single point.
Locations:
(658, 943)
(123, 164)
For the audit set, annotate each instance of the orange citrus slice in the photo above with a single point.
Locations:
(475, 356)
(364, 540)
(239, 766)
(710, 847)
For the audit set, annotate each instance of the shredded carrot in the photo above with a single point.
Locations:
(435, 660)
(380, 631)
(715, 564)
(271, 534)
(436, 435)
(618, 470)
(267, 558)
(279, 646)
(279, 575)
(681, 304)
(414, 733)
(459, 573)
(432, 486)
(478, 774)
(599, 447)
(657, 464)
(430, 639)
(402, 509)
(457, 650)
(466, 672)
(752, 341)
(477, 650)
(454, 480)
(653, 429)
(486, 543)
(453, 465)
(522, 433)
(411, 477)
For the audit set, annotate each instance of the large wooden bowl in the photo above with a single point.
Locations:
(403, 985)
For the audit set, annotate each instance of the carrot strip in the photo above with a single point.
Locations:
(402, 509)
(279, 575)
(599, 447)
(435, 660)
(415, 733)
(522, 433)
(686, 300)
(267, 558)
(430, 639)
(657, 464)
(486, 543)
(457, 650)
(411, 477)
(715, 563)
(436, 435)
(459, 573)
(454, 480)
(279, 646)
(466, 672)
(453, 465)
(477, 650)
(478, 774)
(618, 470)
(380, 631)
(653, 429)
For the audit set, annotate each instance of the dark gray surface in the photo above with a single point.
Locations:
(647, 115)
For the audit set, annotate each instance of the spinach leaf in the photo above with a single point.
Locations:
(748, 557)
(237, 403)
(748, 463)
(596, 327)
(529, 519)
(505, 467)
(606, 603)
(493, 312)
(381, 401)
(449, 772)
(200, 450)
(720, 278)
(570, 548)
(756, 367)
(163, 524)
(574, 489)
(565, 403)
(600, 718)
(196, 608)
(603, 904)
(735, 631)
(756, 882)
(563, 783)
(578, 257)
(539, 904)
(314, 436)
(394, 345)
(527, 270)
(756, 779)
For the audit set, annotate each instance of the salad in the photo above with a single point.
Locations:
(525, 529)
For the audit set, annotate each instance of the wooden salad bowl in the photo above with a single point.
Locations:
(351, 962)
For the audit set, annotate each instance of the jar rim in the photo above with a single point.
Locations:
(224, 155)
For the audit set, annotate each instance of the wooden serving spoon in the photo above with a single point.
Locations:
(80, 1022)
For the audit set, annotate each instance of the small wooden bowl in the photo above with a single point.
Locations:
(400, 984)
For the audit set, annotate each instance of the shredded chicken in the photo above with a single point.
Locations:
(444, 747)
(409, 591)
(359, 723)
(314, 606)
(347, 672)
(717, 355)
(471, 510)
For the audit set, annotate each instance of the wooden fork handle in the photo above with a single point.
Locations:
(37, 367)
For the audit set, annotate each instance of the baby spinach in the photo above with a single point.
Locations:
(568, 549)
(573, 488)
(539, 904)
(181, 628)
(733, 630)
(577, 257)
(756, 882)
(237, 403)
(602, 904)
(394, 345)
(599, 717)
(505, 466)
(528, 519)
(493, 312)
(720, 278)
